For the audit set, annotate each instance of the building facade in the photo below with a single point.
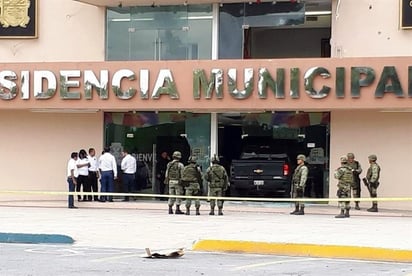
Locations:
(201, 76)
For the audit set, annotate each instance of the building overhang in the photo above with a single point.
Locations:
(317, 4)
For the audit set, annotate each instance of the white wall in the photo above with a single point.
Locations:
(388, 135)
(67, 31)
(368, 28)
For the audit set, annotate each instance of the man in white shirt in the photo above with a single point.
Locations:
(128, 167)
(83, 178)
(108, 173)
(72, 175)
(93, 173)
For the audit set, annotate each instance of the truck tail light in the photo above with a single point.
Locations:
(285, 169)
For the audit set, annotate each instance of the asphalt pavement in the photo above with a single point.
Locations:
(245, 227)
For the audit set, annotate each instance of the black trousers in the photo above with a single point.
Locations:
(83, 180)
(93, 185)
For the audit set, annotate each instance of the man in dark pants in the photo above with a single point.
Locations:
(128, 166)
(71, 178)
(108, 172)
(93, 174)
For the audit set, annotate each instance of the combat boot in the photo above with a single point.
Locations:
(170, 210)
(301, 212)
(197, 211)
(212, 212)
(347, 213)
(341, 215)
(357, 205)
(296, 210)
(374, 208)
(220, 213)
(178, 212)
(187, 211)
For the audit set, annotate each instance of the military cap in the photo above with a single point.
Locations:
(372, 157)
(343, 159)
(301, 157)
(177, 154)
(350, 155)
(192, 159)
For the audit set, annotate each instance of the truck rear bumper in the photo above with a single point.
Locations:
(265, 187)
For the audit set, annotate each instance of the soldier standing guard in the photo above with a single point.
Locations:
(173, 179)
(372, 177)
(192, 180)
(345, 176)
(356, 170)
(298, 184)
(217, 178)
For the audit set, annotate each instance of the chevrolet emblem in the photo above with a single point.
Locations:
(258, 171)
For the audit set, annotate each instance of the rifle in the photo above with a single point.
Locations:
(367, 184)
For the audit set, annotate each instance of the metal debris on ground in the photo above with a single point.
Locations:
(164, 254)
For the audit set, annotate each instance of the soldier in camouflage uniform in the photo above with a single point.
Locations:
(192, 180)
(299, 178)
(372, 176)
(345, 176)
(217, 178)
(356, 170)
(173, 179)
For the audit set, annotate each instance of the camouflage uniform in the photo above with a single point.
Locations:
(172, 178)
(356, 170)
(299, 178)
(372, 176)
(218, 181)
(345, 176)
(192, 180)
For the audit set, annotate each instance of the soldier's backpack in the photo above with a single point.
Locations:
(174, 172)
(217, 177)
(347, 176)
(189, 175)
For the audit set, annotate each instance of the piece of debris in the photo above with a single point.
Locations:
(164, 254)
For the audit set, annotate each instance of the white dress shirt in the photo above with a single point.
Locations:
(107, 162)
(83, 170)
(71, 165)
(128, 164)
(93, 163)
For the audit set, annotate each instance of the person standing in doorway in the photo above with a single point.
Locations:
(83, 170)
(218, 180)
(299, 178)
(356, 170)
(372, 177)
(173, 179)
(191, 181)
(128, 166)
(93, 173)
(161, 166)
(72, 178)
(108, 173)
(344, 176)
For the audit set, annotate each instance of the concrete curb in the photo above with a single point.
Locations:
(34, 238)
(308, 250)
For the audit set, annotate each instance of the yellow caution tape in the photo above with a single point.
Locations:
(260, 199)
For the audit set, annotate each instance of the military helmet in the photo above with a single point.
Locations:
(215, 159)
(192, 159)
(344, 159)
(372, 157)
(350, 155)
(177, 155)
(301, 157)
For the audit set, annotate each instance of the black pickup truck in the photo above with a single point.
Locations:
(262, 169)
